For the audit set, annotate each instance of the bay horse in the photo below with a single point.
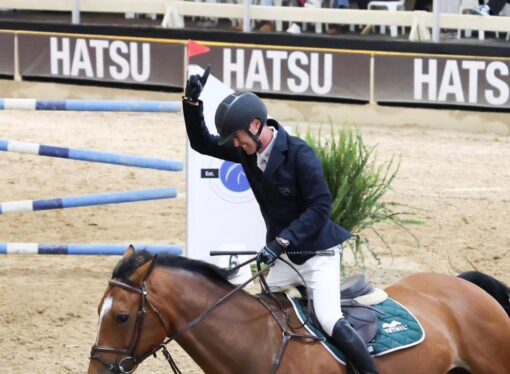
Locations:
(151, 298)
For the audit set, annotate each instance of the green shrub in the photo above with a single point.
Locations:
(357, 184)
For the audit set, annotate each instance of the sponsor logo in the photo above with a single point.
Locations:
(462, 81)
(228, 181)
(100, 58)
(394, 327)
(278, 71)
(233, 177)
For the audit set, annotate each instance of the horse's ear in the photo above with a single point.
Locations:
(143, 272)
(130, 252)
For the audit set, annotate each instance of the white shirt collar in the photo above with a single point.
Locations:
(263, 157)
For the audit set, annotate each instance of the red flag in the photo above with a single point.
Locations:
(195, 49)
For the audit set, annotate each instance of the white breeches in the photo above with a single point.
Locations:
(322, 276)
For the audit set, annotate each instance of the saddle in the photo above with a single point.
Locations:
(357, 297)
(358, 294)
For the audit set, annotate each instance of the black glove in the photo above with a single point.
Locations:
(195, 85)
(270, 253)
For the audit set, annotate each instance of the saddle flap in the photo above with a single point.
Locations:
(363, 320)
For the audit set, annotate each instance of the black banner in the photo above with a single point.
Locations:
(102, 59)
(6, 53)
(291, 71)
(443, 80)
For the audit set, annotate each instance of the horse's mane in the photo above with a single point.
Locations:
(494, 287)
(126, 267)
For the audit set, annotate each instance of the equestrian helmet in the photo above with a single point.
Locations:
(236, 112)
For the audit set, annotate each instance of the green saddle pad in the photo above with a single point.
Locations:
(397, 329)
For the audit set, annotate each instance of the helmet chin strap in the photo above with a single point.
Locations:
(256, 137)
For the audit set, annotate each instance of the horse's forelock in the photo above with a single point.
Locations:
(127, 266)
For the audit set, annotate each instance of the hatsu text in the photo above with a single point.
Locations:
(95, 58)
(297, 72)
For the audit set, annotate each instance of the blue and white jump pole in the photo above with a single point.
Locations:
(89, 156)
(91, 105)
(87, 200)
(83, 249)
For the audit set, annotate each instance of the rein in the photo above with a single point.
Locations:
(287, 334)
(133, 361)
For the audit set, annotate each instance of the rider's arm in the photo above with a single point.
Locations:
(200, 138)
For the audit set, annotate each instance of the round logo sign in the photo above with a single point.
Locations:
(233, 177)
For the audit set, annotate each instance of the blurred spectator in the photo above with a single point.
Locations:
(342, 4)
(423, 5)
(362, 4)
(493, 7)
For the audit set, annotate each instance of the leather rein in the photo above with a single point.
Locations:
(130, 362)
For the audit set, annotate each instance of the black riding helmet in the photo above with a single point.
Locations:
(236, 112)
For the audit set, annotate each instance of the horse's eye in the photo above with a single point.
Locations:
(122, 318)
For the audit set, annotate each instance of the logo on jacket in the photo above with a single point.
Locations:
(233, 177)
(285, 191)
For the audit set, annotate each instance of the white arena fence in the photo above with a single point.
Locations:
(419, 22)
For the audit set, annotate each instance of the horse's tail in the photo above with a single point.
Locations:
(494, 287)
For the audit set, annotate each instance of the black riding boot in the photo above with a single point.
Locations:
(350, 343)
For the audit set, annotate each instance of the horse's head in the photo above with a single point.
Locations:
(130, 328)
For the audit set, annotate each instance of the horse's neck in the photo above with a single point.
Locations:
(229, 334)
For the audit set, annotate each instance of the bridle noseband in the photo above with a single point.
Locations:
(129, 363)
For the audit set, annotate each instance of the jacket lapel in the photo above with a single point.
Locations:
(277, 155)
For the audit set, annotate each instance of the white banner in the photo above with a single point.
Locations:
(223, 214)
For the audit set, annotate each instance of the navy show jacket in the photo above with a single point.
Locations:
(292, 193)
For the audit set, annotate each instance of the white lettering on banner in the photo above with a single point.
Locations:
(277, 57)
(459, 77)
(303, 83)
(451, 84)
(59, 55)
(474, 68)
(121, 70)
(297, 71)
(81, 59)
(498, 83)
(99, 46)
(121, 59)
(230, 67)
(421, 79)
(257, 71)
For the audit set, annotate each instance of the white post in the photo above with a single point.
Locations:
(436, 28)
(247, 16)
(76, 12)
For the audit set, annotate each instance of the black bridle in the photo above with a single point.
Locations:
(129, 362)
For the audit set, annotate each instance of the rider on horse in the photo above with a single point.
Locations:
(287, 180)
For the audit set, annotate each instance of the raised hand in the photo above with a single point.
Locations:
(195, 85)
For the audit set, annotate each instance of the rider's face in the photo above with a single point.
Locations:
(244, 141)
